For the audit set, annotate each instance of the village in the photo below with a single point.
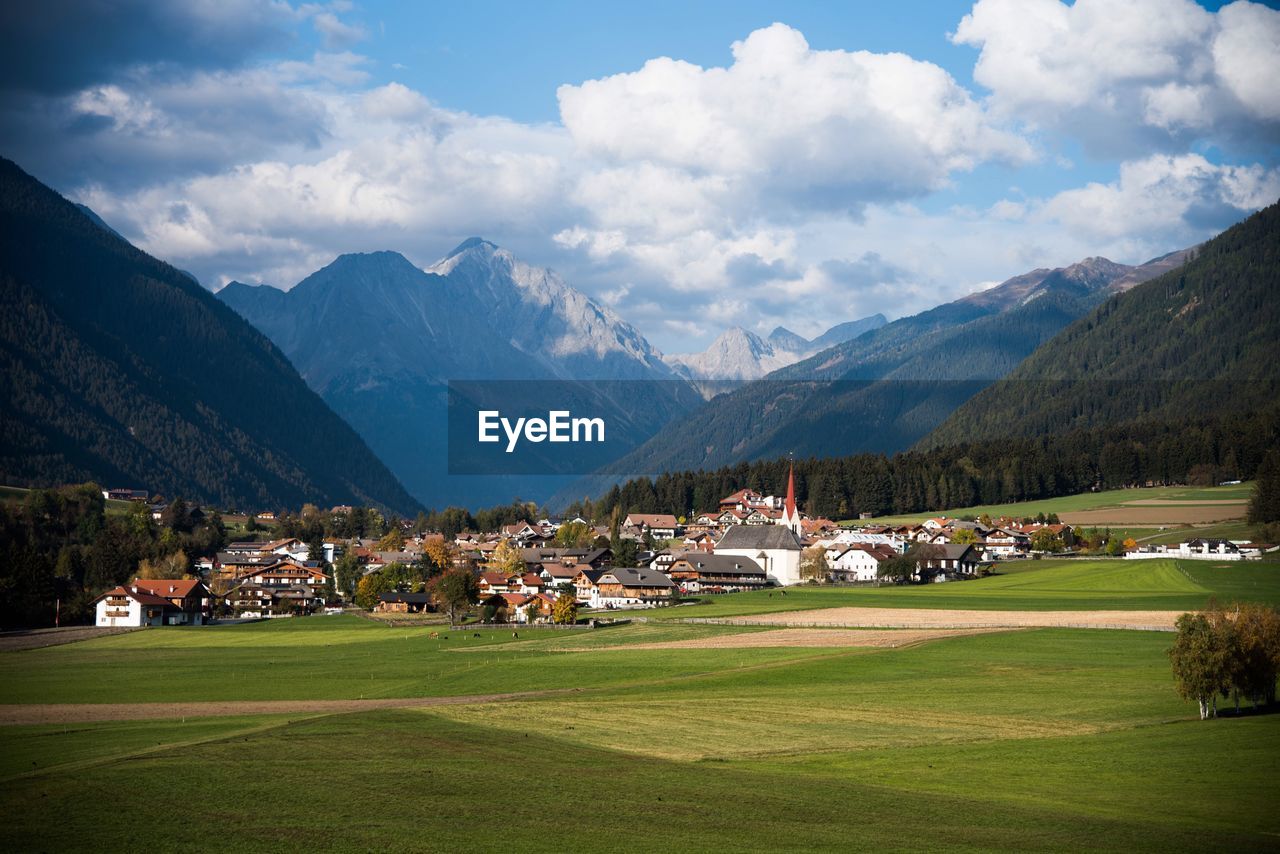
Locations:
(556, 570)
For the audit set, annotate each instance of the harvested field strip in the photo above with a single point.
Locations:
(46, 713)
(924, 618)
(819, 726)
(801, 638)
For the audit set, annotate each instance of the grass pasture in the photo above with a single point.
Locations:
(1135, 508)
(1045, 739)
(1070, 584)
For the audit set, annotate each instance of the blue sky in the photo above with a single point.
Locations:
(692, 165)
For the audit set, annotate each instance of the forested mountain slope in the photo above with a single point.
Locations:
(118, 368)
(1202, 338)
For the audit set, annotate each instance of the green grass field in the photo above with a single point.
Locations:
(1173, 496)
(1030, 585)
(1051, 739)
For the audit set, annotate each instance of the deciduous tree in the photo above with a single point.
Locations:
(454, 591)
(1201, 662)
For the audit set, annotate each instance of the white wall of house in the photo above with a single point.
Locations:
(782, 565)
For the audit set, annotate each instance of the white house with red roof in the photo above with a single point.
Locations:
(154, 602)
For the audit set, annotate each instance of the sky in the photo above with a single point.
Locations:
(692, 165)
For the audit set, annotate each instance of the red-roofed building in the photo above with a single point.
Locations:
(174, 602)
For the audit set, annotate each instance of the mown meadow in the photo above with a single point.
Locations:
(1046, 739)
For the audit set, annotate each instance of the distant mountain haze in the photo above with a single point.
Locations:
(122, 369)
(380, 340)
(738, 354)
(888, 387)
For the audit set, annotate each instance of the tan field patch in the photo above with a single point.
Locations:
(800, 638)
(1173, 502)
(1200, 513)
(57, 713)
(929, 618)
(733, 726)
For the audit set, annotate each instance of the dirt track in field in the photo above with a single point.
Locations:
(58, 713)
(928, 618)
(36, 638)
(1135, 514)
(803, 638)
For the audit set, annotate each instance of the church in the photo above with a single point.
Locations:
(776, 548)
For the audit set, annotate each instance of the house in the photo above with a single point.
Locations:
(639, 587)
(586, 590)
(254, 601)
(952, 559)
(775, 548)
(530, 584)
(496, 583)
(660, 526)
(1197, 549)
(189, 595)
(154, 602)
(287, 574)
(1006, 543)
(716, 573)
(124, 494)
(556, 574)
(508, 607)
(396, 602)
(858, 561)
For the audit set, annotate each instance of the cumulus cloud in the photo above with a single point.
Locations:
(393, 172)
(1164, 200)
(705, 176)
(1124, 77)
(777, 189)
(831, 129)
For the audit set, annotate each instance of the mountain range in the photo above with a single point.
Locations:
(887, 388)
(1202, 339)
(122, 369)
(381, 339)
(738, 354)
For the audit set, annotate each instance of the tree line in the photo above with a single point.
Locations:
(1197, 450)
(1232, 652)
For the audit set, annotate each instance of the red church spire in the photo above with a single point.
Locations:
(791, 493)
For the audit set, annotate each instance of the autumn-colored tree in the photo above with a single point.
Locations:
(813, 564)
(565, 609)
(392, 541)
(507, 559)
(1201, 662)
(175, 565)
(575, 535)
(370, 587)
(454, 591)
(1045, 540)
(964, 536)
(1130, 544)
(1255, 649)
(439, 553)
(532, 609)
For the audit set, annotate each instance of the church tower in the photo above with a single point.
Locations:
(791, 515)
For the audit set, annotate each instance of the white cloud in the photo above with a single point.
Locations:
(1162, 202)
(802, 123)
(779, 189)
(687, 170)
(1126, 76)
(336, 33)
